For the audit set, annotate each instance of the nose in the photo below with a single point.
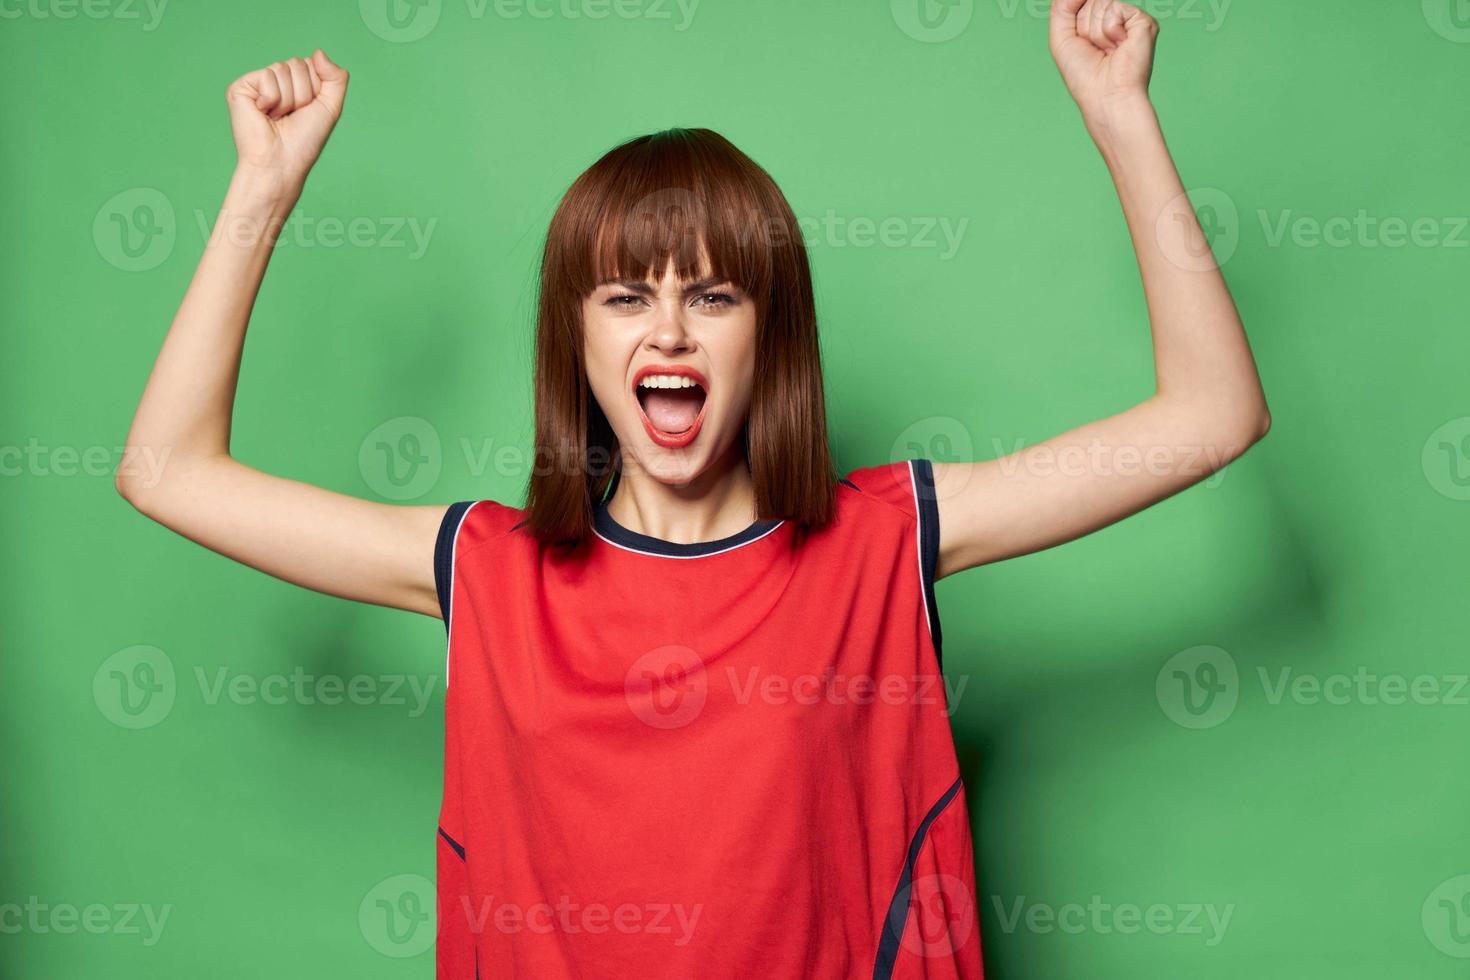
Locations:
(668, 333)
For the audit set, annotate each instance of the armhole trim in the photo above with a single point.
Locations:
(926, 505)
(444, 548)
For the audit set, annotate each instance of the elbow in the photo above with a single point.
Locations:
(1242, 433)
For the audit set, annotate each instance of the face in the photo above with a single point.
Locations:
(672, 364)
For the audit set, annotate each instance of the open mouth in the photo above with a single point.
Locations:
(671, 403)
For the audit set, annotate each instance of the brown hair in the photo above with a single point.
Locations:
(690, 198)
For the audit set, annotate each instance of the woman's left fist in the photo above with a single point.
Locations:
(1105, 51)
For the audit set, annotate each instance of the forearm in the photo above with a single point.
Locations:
(1201, 354)
(186, 406)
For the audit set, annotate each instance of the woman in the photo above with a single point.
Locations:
(693, 721)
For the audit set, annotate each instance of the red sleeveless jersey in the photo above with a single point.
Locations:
(729, 759)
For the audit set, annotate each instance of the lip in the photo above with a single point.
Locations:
(664, 439)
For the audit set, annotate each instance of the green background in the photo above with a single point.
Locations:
(1333, 834)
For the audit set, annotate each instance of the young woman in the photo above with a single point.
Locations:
(693, 724)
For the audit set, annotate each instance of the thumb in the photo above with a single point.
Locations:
(334, 81)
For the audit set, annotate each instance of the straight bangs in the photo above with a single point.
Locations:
(689, 200)
(671, 201)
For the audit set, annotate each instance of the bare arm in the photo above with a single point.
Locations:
(1207, 407)
(358, 549)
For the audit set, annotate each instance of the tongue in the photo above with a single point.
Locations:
(672, 410)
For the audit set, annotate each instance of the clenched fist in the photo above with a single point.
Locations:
(1105, 51)
(282, 115)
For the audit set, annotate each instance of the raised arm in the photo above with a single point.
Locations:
(281, 116)
(1207, 407)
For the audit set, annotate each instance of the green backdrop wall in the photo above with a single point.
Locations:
(1224, 738)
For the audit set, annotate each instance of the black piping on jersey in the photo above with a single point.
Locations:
(613, 532)
(444, 555)
(458, 847)
(898, 909)
(926, 502)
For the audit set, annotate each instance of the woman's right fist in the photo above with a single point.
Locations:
(282, 115)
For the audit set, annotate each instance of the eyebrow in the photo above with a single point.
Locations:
(645, 288)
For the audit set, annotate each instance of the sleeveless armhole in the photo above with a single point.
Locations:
(926, 503)
(444, 556)
(909, 486)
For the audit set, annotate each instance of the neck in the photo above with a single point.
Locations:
(716, 504)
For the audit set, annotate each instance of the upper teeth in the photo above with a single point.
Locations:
(666, 381)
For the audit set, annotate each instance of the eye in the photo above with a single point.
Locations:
(622, 301)
(714, 299)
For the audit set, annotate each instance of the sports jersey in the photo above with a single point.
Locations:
(729, 759)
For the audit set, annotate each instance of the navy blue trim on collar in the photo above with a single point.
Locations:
(615, 533)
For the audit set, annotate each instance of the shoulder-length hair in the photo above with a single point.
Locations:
(691, 198)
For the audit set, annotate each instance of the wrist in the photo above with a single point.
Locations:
(255, 207)
(1120, 122)
(263, 189)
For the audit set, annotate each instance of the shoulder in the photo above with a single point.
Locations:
(470, 523)
(905, 487)
(466, 528)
